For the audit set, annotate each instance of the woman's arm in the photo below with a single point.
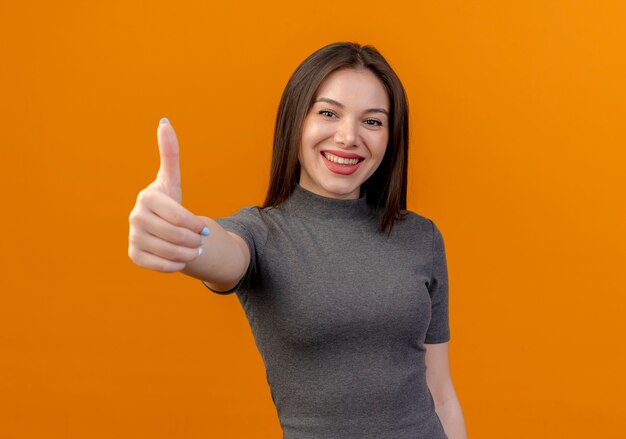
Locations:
(224, 261)
(165, 237)
(440, 384)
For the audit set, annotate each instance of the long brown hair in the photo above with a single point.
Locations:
(386, 188)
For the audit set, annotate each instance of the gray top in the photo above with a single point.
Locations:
(340, 315)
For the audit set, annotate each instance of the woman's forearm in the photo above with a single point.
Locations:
(223, 262)
(451, 417)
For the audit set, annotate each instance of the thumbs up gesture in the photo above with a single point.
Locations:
(164, 236)
(168, 177)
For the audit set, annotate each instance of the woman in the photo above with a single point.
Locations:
(345, 291)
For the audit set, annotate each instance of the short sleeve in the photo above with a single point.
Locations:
(248, 223)
(439, 329)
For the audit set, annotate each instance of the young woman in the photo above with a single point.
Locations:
(345, 290)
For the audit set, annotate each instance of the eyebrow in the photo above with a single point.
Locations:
(340, 105)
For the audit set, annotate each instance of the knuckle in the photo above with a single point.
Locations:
(134, 216)
(141, 196)
(133, 237)
(135, 255)
(145, 196)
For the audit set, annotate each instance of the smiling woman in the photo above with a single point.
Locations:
(346, 291)
(345, 134)
(328, 68)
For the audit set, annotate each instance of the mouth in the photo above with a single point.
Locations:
(353, 159)
(342, 165)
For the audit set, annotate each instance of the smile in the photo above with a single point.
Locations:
(341, 165)
(341, 160)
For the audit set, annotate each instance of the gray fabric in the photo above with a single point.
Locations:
(340, 315)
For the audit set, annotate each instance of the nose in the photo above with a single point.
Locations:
(347, 133)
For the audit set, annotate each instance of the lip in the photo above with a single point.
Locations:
(345, 155)
(336, 168)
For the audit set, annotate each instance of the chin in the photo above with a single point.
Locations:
(341, 189)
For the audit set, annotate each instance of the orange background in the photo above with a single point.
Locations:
(518, 153)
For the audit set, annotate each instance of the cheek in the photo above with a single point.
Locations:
(305, 141)
(384, 143)
(315, 133)
(378, 146)
(306, 153)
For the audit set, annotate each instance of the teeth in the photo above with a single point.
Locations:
(340, 160)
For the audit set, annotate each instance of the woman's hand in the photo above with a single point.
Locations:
(164, 236)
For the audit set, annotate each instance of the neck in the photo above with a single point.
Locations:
(305, 184)
(309, 204)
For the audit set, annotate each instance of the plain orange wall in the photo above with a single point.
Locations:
(518, 153)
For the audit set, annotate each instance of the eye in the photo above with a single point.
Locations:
(373, 122)
(327, 113)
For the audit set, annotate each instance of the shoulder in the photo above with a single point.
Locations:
(416, 220)
(416, 217)
(249, 222)
(413, 221)
(249, 214)
(418, 229)
(244, 216)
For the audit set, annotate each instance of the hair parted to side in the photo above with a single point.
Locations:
(386, 188)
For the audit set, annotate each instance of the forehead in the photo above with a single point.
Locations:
(359, 88)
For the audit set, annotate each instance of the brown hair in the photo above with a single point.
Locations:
(386, 188)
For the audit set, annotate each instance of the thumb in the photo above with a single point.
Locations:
(169, 171)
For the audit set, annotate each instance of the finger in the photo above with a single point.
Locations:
(169, 210)
(157, 226)
(169, 171)
(164, 249)
(154, 262)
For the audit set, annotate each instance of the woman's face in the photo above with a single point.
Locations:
(345, 134)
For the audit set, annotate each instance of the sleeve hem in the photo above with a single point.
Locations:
(438, 340)
(223, 293)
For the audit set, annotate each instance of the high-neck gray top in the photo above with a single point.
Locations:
(340, 314)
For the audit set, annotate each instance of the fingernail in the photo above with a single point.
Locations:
(164, 120)
(205, 231)
(199, 251)
(202, 242)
